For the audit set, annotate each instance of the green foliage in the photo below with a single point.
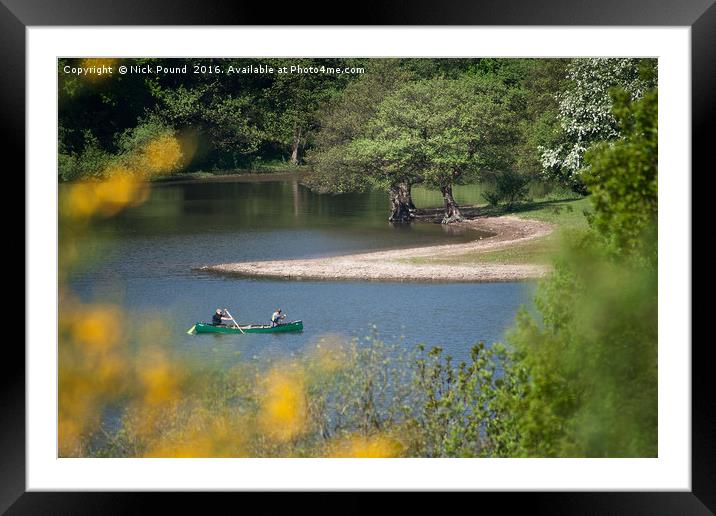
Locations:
(344, 119)
(623, 180)
(435, 112)
(242, 120)
(371, 392)
(104, 107)
(294, 101)
(592, 361)
(96, 163)
(224, 119)
(236, 118)
(439, 132)
(133, 140)
(592, 357)
(458, 410)
(510, 187)
(493, 197)
(540, 126)
(90, 163)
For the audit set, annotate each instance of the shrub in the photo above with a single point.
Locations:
(135, 139)
(150, 148)
(592, 355)
(90, 164)
(493, 197)
(510, 188)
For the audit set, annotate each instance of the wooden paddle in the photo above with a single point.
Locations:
(232, 318)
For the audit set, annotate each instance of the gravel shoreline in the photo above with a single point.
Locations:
(391, 265)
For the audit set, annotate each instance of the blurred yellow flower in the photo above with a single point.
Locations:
(193, 447)
(121, 189)
(68, 436)
(161, 155)
(97, 326)
(92, 363)
(159, 378)
(282, 412)
(81, 201)
(205, 434)
(378, 446)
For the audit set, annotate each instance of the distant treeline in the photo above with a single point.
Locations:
(241, 120)
(358, 123)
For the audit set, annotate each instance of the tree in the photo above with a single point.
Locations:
(591, 358)
(345, 119)
(440, 132)
(293, 99)
(102, 104)
(585, 112)
(236, 117)
(223, 110)
(542, 80)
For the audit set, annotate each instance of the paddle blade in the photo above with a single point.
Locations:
(190, 331)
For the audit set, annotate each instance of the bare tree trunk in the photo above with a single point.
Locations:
(452, 210)
(409, 195)
(400, 203)
(295, 145)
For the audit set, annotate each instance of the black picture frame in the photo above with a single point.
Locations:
(700, 15)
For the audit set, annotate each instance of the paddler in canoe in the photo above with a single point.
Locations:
(277, 317)
(219, 317)
(217, 325)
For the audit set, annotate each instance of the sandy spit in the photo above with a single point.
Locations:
(391, 265)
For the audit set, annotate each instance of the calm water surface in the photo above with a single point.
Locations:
(145, 260)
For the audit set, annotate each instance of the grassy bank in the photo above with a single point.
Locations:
(566, 214)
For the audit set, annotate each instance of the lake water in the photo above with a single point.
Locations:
(145, 259)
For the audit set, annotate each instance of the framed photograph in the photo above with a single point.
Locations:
(389, 256)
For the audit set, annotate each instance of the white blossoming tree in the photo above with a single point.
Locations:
(585, 111)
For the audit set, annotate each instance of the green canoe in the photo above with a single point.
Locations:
(201, 327)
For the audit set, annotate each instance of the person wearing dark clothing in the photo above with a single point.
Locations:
(218, 318)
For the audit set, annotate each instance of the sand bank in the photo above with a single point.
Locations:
(395, 265)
